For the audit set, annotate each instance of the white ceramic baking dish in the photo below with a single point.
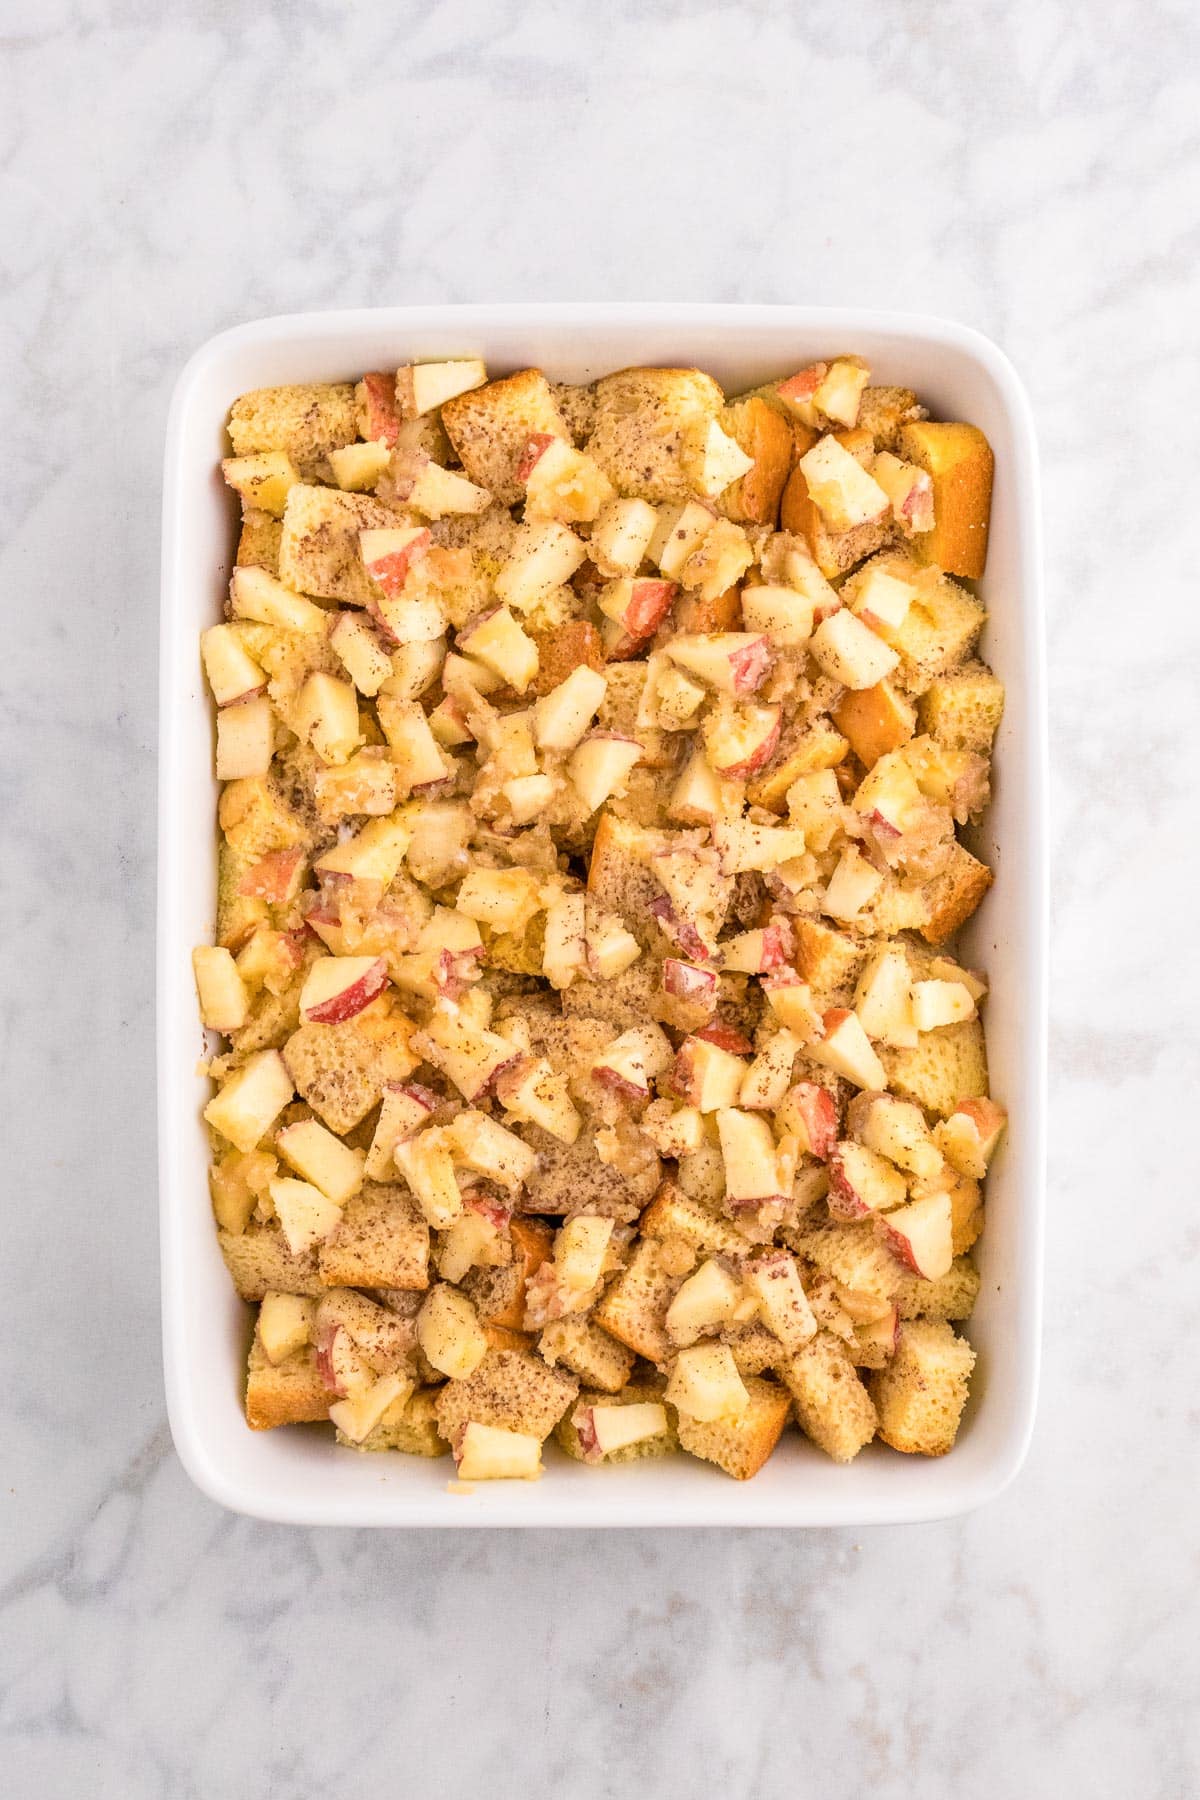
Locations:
(298, 1475)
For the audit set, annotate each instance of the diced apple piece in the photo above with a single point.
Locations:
(637, 603)
(360, 652)
(814, 804)
(782, 614)
(378, 417)
(920, 1235)
(561, 717)
(418, 758)
(621, 535)
(752, 1172)
(774, 1280)
(258, 596)
(697, 796)
(718, 461)
(840, 488)
(611, 949)
(357, 1417)
(338, 987)
(756, 952)
(564, 951)
(580, 1250)
(705, 1384)
(449, 1333)
(684, 981)
(306, 1216)
(434, 492)
(482, 1144)
(968, 1137)
(677, 699)
(606, 1429)
(909, 489)
(530, 1090)
(850, 652)
(389, 553)
(791, 1000)
(561, 483)
(883, 1000)
(505, 899)
(853, 885)
(706, 1076)
(742, 845)
(862, 1182)
(798, 392)
(845, 1048)
(263, 480)
(707, 1298)
(427, 1165)
(251, 1100)
(325, 715)
(769, 1076)
(896, 1129)
(733, 662)
(839, 391)
(882, 601)
(232, 672)
(224, 1002)
(674, 1131)
(357, 467)
(938, 1003)
(373, 854)
(492, 1453)
(472, 1241)
(678, 532)
(412, 619)
(809, 1114)
(739, 740)
(500, 644)
(470, 1055)
(415, 667)
(404, 1111)
(601, 765)
(633, 1060)
(285, 1324)
(543, 556)
(422, 387)
(321, 1158)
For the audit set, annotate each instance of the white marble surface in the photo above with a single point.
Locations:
(1031, 167)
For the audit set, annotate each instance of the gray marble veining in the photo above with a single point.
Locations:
(1031, 167)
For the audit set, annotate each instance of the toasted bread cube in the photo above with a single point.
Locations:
(491, 426)
(672, 1214)
(290, 1392)
(953, 894)
(342, 1070)
(512, 1389)
(941, 627)
(853, 1255)
(571, 1177)
(260, 1262)
(951, 1296)
(832, 1405)
(885, 411)
(634, 1309)
(945, 1067)
(963, 710)
(921, 1394)
(306, 421)
(257, 819)
(875, 720)
(577, 1434)
(644, 422)
(263, 481)
(827, 958)
(742, 1443)
(959, 459)
(588, 1352)
(409, 1424)
(766, 437)
(319, 550)
(258, 543)
(382, 1241)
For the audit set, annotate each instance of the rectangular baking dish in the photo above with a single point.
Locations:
(297, 1475)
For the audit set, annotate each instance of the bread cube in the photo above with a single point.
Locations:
(290, 1392)
(740, 1444)
(945, 1067)
(953, 894)
(587, 1351)
(673, 1215)
(382, 1241)
(490, 427)
(885, 411)
(342, 1070)
(808, 752)
(662, 1442)
(951, 1296)
(634, 1309)
(941, 627)
(834, 552)
(766, 437)
(832, 1405)
(960, 463)
(259, 1261)
(258, 541)
(827, 958)
(963, 710)
(921, 1394)
(875, 720)
(644, 420)
(510, 1388)
(318, 548)
(306, 421)
(854, 1256)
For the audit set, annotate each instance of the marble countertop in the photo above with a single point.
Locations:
(1032, 168)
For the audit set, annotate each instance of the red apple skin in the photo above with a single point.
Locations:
(842, 1200)
(758, 758)
(685, 982)
(916, 509)
(489, 1209)
(625, 648)
(749, 665)
(383, 423)
(533, 452)
(451, 976)
(649, 604)
(391, 572)
(819, 1113)
(585, 1425)
(326, 1354)
(351, 1000)
(681, 932)
(617, 1084)
(882, 826)
(724, 1037)
(801, 386)
(900, 1247)
(490, 1084)
(271, 877)
(776, 945)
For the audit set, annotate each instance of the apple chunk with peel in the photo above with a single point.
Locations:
(224, 1002)
(782, 614)
(882, 601)
(896, 1129)
(968, 1137)
(752, 1164)
(774, 1280)
(921, 1235)
(497, 641)
(321, 1158)
(232, 672)
(493, 1453)
(708, 1298)
(909, 489)
(251, 1100)
(338, 987)
(850, 652)
(883, 1000)
(845, 1048)
(733, 662)
(808, 1113)
(325, 715)
(601, 766)
(449, 1333)
(840, 488)
(433, 491)
(705, 1383)
(620, 538)
(389, 553)
(531, 1091)
(360, 653)
(422, 387)
(740, 740)
(706, 1076)
(261, 598)
(426, 1162)
(638, 604)
(564, 950)
(285, 1324)
(480, 1143)
(562, 717)
(404, 1111)
(861, 1182)
(605, 1429)
(632, 1061)
(543, 556)
(306, 1215)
